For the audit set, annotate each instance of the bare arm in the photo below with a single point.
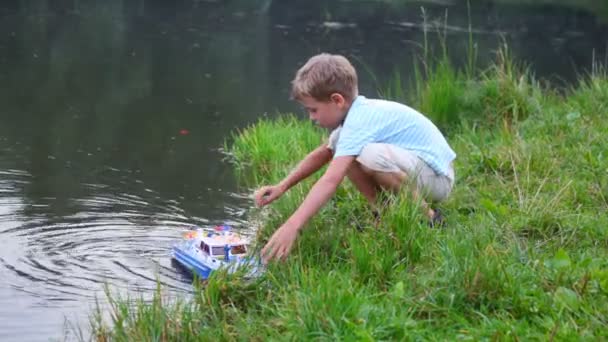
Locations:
(309, 165)
(321, 192)
(282, 240)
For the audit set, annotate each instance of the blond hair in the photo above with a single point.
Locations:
(324, 75)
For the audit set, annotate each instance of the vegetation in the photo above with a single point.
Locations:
(524, 254)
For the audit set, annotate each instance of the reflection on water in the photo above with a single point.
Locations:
(57, 252)
(112, 113)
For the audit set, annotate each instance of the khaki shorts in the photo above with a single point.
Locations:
(390, 158)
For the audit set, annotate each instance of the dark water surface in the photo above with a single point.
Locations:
(112, 114)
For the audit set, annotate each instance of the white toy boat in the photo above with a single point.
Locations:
(203, 252)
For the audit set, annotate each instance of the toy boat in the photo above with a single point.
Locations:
(203, 252)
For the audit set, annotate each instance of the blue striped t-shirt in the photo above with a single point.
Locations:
(379, 121)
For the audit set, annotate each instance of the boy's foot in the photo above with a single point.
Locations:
(437, 220)
(375, 221)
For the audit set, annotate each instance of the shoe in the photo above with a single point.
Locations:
(437, 221)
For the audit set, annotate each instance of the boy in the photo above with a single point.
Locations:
(379, 145)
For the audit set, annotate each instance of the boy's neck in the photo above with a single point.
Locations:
(347, 108)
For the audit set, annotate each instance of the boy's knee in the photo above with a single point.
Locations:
(359, 167)
(377, 157)
(392, 167)
(385, 180)
(363, 168)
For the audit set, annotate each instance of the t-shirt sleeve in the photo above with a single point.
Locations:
(358, 130)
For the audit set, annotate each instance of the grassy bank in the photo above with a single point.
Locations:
(524, 255)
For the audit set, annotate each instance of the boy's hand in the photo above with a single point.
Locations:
(267, 194)
(279, 245)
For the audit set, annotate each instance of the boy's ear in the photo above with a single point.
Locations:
(338, 99)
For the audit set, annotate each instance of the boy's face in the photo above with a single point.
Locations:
(327, 114)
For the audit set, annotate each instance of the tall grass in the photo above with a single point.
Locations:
(524, 255)
(503, 93)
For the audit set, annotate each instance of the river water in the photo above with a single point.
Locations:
(112, 115)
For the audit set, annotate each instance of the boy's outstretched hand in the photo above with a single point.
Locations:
(267, 194)
(279, 245)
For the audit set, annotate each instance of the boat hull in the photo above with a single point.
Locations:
(187, 261)
(189, 255)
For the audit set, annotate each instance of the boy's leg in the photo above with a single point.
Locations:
(369, 182)
(364, 182)
(387, 167)
(395, 181)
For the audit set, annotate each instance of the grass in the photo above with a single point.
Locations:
(524, 256)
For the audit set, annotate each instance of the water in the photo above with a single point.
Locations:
(112, 114)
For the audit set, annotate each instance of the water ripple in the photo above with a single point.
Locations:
(121, 239)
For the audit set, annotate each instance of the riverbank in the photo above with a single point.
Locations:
(523, 256)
